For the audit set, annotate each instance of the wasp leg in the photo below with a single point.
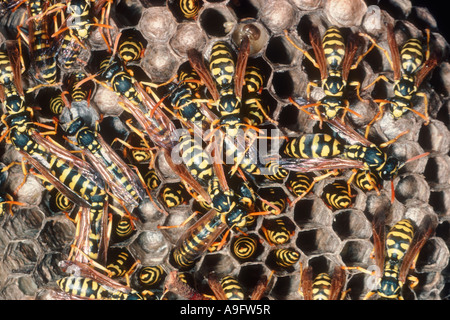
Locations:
(385, 52)
(425, 116)
(307, 55)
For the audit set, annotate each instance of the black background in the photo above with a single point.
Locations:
(441, 13)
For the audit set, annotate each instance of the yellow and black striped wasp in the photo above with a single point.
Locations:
(173, 194)
(323, 286)
(255, 110)
(316, 152)
(334, 59)
(120, 263)
(299, 184)
(184, 98)
(395, 254)
(224, 79)
(57, 202)
(77, 93)
(121, 227)
(411, 65)
(42, 46)
(87, 283)
(275, 172)
(77, 27)
(226, 213)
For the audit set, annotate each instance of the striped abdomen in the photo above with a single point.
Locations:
(313, 146)
(333, 47)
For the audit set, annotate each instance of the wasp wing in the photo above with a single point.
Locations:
(353, 43)
(378, 231)
(347, 133)
(318, 164)
(307, 283)
(16, 65)
(85, 270)
(260, 288)
(203, 236)
(319, 53)
(198, 64)
(426, 68)
(110, 156)
(421, 236)
(395, 54)
(241, 65)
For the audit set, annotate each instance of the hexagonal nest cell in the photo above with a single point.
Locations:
(273, 249)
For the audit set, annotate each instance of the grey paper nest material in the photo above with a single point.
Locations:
(34, 240)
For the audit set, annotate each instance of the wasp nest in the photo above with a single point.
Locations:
(34, 240)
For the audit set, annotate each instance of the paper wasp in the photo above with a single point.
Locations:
(120, 263)
(316, 152)
(224, 79)
(77, 28)
(122, 229)
(276, 172)
(72, 176)
(410, 65)
(323, 286)
(395, 253)
(57, 202)
(227, 213)
(184, 97)
(42, 47)
(334, 59)
(185, 10)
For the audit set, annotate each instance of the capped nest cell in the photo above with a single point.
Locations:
(35, 239)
